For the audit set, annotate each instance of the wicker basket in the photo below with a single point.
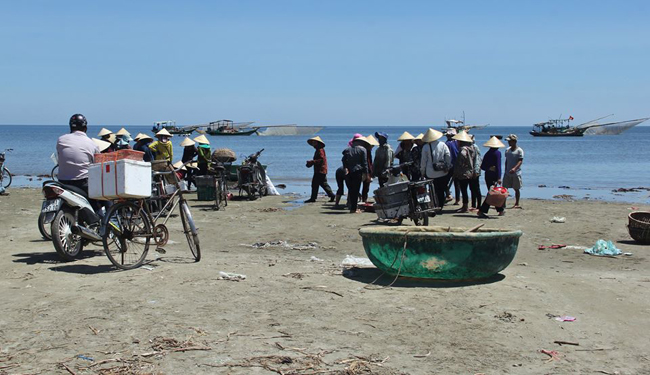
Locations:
(224, 155)
(639, 226)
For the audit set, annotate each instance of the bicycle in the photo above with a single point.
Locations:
(129, 225)
(251, 177)
(5, 176)
(220, 174)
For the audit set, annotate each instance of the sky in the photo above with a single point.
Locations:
(324, 63)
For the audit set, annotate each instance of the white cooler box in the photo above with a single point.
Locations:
(119, 179)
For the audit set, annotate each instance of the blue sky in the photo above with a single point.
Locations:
(323, 62)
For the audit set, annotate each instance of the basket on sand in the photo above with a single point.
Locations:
(224, 155)
(639, 226)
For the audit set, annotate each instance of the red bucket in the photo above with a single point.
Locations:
(497, 196)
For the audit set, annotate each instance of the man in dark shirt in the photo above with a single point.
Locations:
(355, 161)
(319, 162)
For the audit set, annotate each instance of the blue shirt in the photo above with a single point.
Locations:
(491, 159)
(453, 150)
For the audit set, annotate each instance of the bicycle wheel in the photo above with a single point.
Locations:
(224, 189)
(190, 230)
(6, 177)
(217, 193)
(127, 235)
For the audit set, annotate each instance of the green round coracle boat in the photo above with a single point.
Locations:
(442, 253)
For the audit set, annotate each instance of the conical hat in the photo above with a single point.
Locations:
(202, 139)
(463, 137)
(363, 139)
(193, 165)
(179, 165)
(104, 132)
(406, 136)
(316, 139)
(163, 132)
(431, 135)
(494, 142)
(141, 136)
(372, 140)
(123, 132)
(420, 136)
(103, 145)
(187, 142)
(112, 137)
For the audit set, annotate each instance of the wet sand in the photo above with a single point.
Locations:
(296, 314)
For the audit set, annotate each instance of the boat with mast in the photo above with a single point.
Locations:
(171, 127)
(230, 128)
(562, 127)
(459, 125)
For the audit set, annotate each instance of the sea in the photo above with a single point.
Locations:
(589, 167)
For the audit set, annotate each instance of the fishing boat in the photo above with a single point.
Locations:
(562, 127)
(171, 127)
(229, 128)
(459, 125)
(442, 253)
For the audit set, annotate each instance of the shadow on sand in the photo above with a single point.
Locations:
(368, 275)
(51, 257)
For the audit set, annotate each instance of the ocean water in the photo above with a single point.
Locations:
(586, 167)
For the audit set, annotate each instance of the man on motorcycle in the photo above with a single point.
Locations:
(76, 152)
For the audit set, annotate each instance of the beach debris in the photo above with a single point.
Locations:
(422, 355)
(603, 248)
(565, 318)
(507, 317)
(631, 190)
(564, 187)
(544, 247)
(566, 197)
(283, 244)
(230, 276)
(350, 261)
(558, 219)
(321, 288)
(315, 259)
(81, 356)
(562, 342)
(553, 354)
(270, 209)
(294, 275)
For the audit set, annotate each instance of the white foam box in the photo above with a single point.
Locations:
(119, 179)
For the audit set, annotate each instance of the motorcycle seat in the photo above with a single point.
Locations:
(73, 189)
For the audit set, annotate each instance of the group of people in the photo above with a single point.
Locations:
(456, 161)
(76, 151)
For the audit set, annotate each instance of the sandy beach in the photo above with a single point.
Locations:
(296, 313)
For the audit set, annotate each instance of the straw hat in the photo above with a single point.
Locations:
(179, 165)
(494, 142)
(372, 140)
(112, 137)
(123, 132)
(187, 142)
(463, 137)
(202, 139)
(419, 136)
(431, 135)
(141, 136)
(104, 132)
(316, 139)
(163, 132)
(406, 136)
(193, 165)
(103, 145)
(363, 139)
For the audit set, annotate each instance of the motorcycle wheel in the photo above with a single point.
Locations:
(420, 218)
(66, 244)
(44, 228)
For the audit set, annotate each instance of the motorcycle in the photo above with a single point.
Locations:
(251, 177)
(74, 223)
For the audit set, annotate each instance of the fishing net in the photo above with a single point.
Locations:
(612, 128)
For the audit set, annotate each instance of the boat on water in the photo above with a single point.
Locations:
(459, 125)
(230, 128)
(171, 127)
(562, 127)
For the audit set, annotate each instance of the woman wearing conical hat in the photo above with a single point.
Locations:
(365, 188)
(436, 163)
(189, 153)
(107, 136)
(465, 168)
(383, 158)
(123, 138)
(416, 157)
(403, 151)
(492, 166)
(163, 148)
(142, 142)
(355, 161)
(204, 154)
(319, 162)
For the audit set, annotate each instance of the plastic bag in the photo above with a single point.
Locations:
(603, 248)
